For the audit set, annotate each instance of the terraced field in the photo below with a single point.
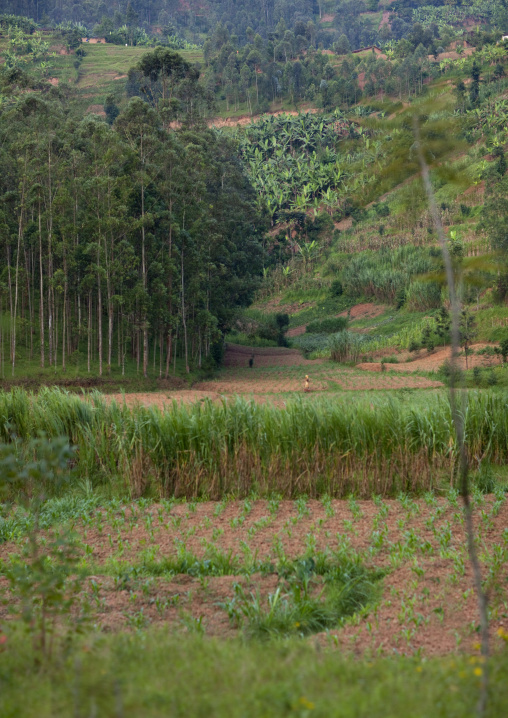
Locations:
(278, 375)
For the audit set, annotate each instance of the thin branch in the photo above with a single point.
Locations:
(458, 417)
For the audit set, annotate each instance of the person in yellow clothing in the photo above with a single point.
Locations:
(306, 386)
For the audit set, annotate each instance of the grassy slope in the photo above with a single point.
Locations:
(97, 76)
(398, 185)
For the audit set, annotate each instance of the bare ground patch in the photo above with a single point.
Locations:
(432, 362)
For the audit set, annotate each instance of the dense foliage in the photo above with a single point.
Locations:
(294, 162)
(131, 239)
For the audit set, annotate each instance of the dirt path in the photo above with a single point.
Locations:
(364, 311)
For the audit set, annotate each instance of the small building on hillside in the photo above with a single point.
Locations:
(94, 40)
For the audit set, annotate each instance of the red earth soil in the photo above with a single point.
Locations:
(426, 601)
(433, 361)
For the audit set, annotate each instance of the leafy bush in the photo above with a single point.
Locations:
(309, 343)
(44, 581)
(448, 372)
(484, 478)
(492, 378)
(382, 209)
(327, 326)
(336, 288)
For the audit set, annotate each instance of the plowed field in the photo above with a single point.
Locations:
(278, 375)
(425, 602)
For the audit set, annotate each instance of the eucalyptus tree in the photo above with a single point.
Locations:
(104, 221)
(139, 127)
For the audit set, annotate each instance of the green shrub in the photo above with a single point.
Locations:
(448, 372)
(492, 378)
(336, 288)
(327, 326)
(484, 478)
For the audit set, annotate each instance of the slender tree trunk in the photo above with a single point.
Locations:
(161, 352)
(64, 309)
(99, 322)
(89, 344)
(143, 271)
(168, 355)
(41, 292)
(184, 320)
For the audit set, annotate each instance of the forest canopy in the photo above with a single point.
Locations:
(124, 239)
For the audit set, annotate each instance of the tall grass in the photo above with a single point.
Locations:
(235, 447)
(381, 275)
(346, 346)
(421, 296)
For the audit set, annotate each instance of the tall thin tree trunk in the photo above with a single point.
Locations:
(89, 343)
(64, 313)
(41, 290)
(184, 320)
(99, 322)
(168, 355)
(143, 271)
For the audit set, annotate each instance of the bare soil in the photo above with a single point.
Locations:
(96, 110)
(364, 311)
(384, 19)
(432, 362)
(249, 119)
(426, 602)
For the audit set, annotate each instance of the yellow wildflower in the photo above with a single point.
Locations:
(478, 671)
(306, 703)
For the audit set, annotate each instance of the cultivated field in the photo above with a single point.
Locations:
(197, 522)
(277, 376)
(401, 564)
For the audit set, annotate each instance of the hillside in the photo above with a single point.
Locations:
(336, 187)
